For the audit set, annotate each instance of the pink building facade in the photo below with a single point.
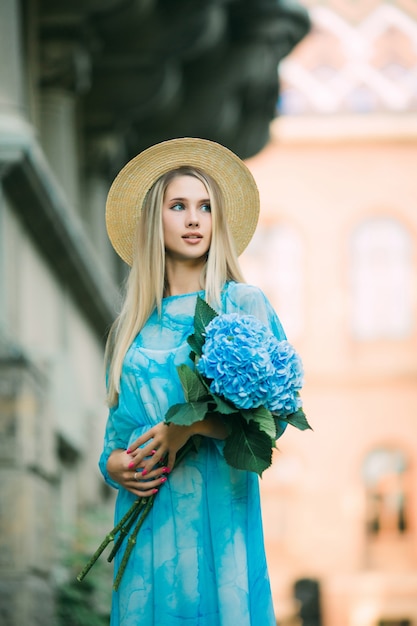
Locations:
(336, 251)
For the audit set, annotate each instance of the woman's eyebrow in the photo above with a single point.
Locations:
(185, 199)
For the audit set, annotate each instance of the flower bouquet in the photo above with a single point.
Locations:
(243, 374)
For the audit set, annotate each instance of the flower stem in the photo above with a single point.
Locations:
(139, 509)
(124, 530)
(107, 539)
(132, 541)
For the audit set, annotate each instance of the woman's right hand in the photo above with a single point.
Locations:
(119, 471)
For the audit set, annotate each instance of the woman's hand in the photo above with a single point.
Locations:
(164, 440)
(120, 470)
(160, 442)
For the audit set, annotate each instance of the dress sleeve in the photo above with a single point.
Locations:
(122, 426)
(250, 300)
(128, 419)
(114, 439)
(121, 431)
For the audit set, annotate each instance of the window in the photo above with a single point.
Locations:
(307, 594)
(274, 261)
(394, 622)
(382, 281)
(384, 473)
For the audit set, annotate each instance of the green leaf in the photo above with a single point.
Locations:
(202, 316)
(196, 346)
(280, 426)
(262, 417)
(192, 385)
(222, 406)
(299, 420)
(187, 413)
(248, 448)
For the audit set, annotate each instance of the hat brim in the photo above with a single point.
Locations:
(128, 191)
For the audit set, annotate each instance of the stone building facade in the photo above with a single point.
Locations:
(57, 296)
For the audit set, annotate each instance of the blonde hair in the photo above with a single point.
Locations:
(145, 289)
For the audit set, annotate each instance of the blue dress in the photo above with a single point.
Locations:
(199, 559)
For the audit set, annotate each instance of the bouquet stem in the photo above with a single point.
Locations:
(124, 530)
(137, 513)
(132, 541)
(108, 539)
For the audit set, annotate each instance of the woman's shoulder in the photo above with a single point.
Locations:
(247, 299)
(243, 292)
(243, 298)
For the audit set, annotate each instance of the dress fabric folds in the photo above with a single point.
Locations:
(199, 559)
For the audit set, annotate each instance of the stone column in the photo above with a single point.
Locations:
(11, 80)
(64, 76)
(105, 156)
(58, 129)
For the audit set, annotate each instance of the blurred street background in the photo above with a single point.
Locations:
(320, 99)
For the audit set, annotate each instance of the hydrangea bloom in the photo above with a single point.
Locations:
(248, 366)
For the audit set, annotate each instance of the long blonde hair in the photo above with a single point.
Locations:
(147, 280)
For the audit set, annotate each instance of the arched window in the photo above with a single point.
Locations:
(274, 261)
(395, 622)
(307, 594)
(382, 280)
(384, 474)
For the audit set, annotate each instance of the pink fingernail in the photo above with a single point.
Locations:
(154, 490)
(164, 479)
(166, 470)
(153, 451)
(128, 451)
(131, 464)
(144, 472)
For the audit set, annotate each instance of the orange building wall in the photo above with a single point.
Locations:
(358, 394)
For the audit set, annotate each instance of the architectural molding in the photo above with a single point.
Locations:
(386, 127)
(56, 230)
(154, 71)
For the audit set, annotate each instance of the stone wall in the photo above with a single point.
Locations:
(27, 476)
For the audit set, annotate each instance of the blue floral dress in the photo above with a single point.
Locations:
(199, 559)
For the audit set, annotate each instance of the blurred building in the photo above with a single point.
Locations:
(336, 251)
(84, 86)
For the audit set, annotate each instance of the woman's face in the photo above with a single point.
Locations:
(186, 219)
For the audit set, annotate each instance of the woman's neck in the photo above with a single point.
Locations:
(182, 279)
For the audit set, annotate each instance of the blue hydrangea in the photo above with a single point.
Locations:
(249, 366)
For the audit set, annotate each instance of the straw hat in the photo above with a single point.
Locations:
(129, 189)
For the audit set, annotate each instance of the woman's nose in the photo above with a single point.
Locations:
(192, 218)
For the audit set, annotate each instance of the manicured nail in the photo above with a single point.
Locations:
(144, 472)
(154, 490)
(164, 479)
(128, 451)
(153, 451)
(167, 470)
(131, 464)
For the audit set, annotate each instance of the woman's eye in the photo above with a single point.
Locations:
(177, 206)
(206, 208)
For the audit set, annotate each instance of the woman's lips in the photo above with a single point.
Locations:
(193, 239)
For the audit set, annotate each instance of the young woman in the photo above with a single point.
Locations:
(180, 213)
